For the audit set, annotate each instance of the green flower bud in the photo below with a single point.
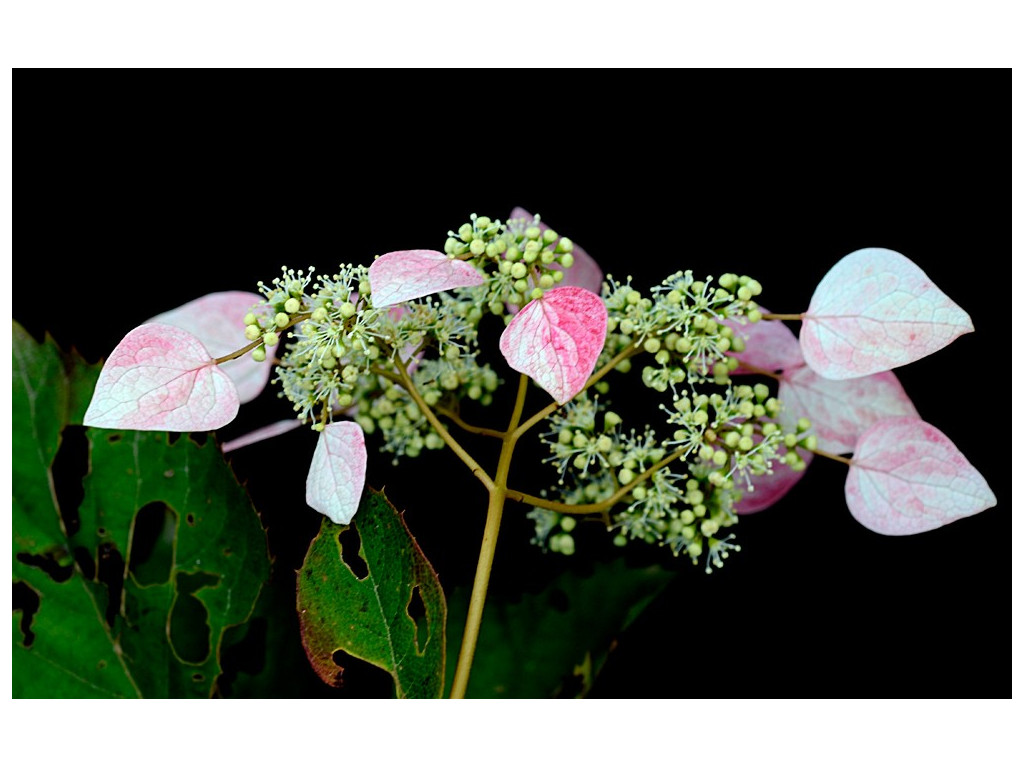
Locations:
(281, 319)
(626, 476)
(652, 345)
(249, 319)
(271, 339)
(518, 270)
(466, 232)
(532, 233)
(477, 247)
(567, 523)
(252, 332)
(259, 354)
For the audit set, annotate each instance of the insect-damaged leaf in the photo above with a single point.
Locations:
(216, 320)
(392, 614)
(134, 588)
(873, 311)
(556, 340)
(160, 377)
(907, 477)
(404, 275)
(337, 472)
(554, 642)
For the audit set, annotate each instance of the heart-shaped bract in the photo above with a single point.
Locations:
(160, 377)
(908, 477)
(337, 473)
(216, 320)
(841, 411)
(873, 311)
(556, 340)
(404, 275)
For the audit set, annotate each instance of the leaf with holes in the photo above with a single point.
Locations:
(162, 378)
(556, 340)
(873, 311)
(337, 473)
(907, 477)
(375, 598)
(127, 593)
(584, 272)
(216, 320)
(404, 275)
(554, 642)
(841, 411)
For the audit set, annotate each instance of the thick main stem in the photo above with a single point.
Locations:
(495, 507)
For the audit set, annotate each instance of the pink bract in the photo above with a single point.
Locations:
(769, 489)
(908, 477)
(337, 473)
(557, 339)
(404, 275)
(160, 377)
(216, 320)
(840, 411)
(584, 272)
(770, 345)
(873, 311)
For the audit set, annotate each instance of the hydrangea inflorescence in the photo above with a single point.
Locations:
(395, 347)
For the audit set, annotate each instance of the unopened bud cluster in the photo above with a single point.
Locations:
(520, 258)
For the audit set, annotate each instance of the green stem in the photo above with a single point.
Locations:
(461, 452)
(459, 422)
(827, 455)
(253, 345)
(550, 408)
(598, 507)
(495, 507)
(780, 316)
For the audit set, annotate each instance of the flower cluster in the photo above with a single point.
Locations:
(394, 348)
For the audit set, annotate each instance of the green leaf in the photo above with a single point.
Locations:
(130, 594)
(555, 642)
(374, 597)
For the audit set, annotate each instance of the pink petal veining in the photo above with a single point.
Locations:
(337, 473)
(405, 275)
(908, 477)
(160, 377)
(876, 310)
(557, 339)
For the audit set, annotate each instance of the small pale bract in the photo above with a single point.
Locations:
(584, 273)
(263, 433)
(160, 377)
(216, 320)
(337, 473)
(405, 275)
(908, 477)
(557, 339)
(873, 311)
(841, 411)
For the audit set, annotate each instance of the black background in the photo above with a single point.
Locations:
(140, 191)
